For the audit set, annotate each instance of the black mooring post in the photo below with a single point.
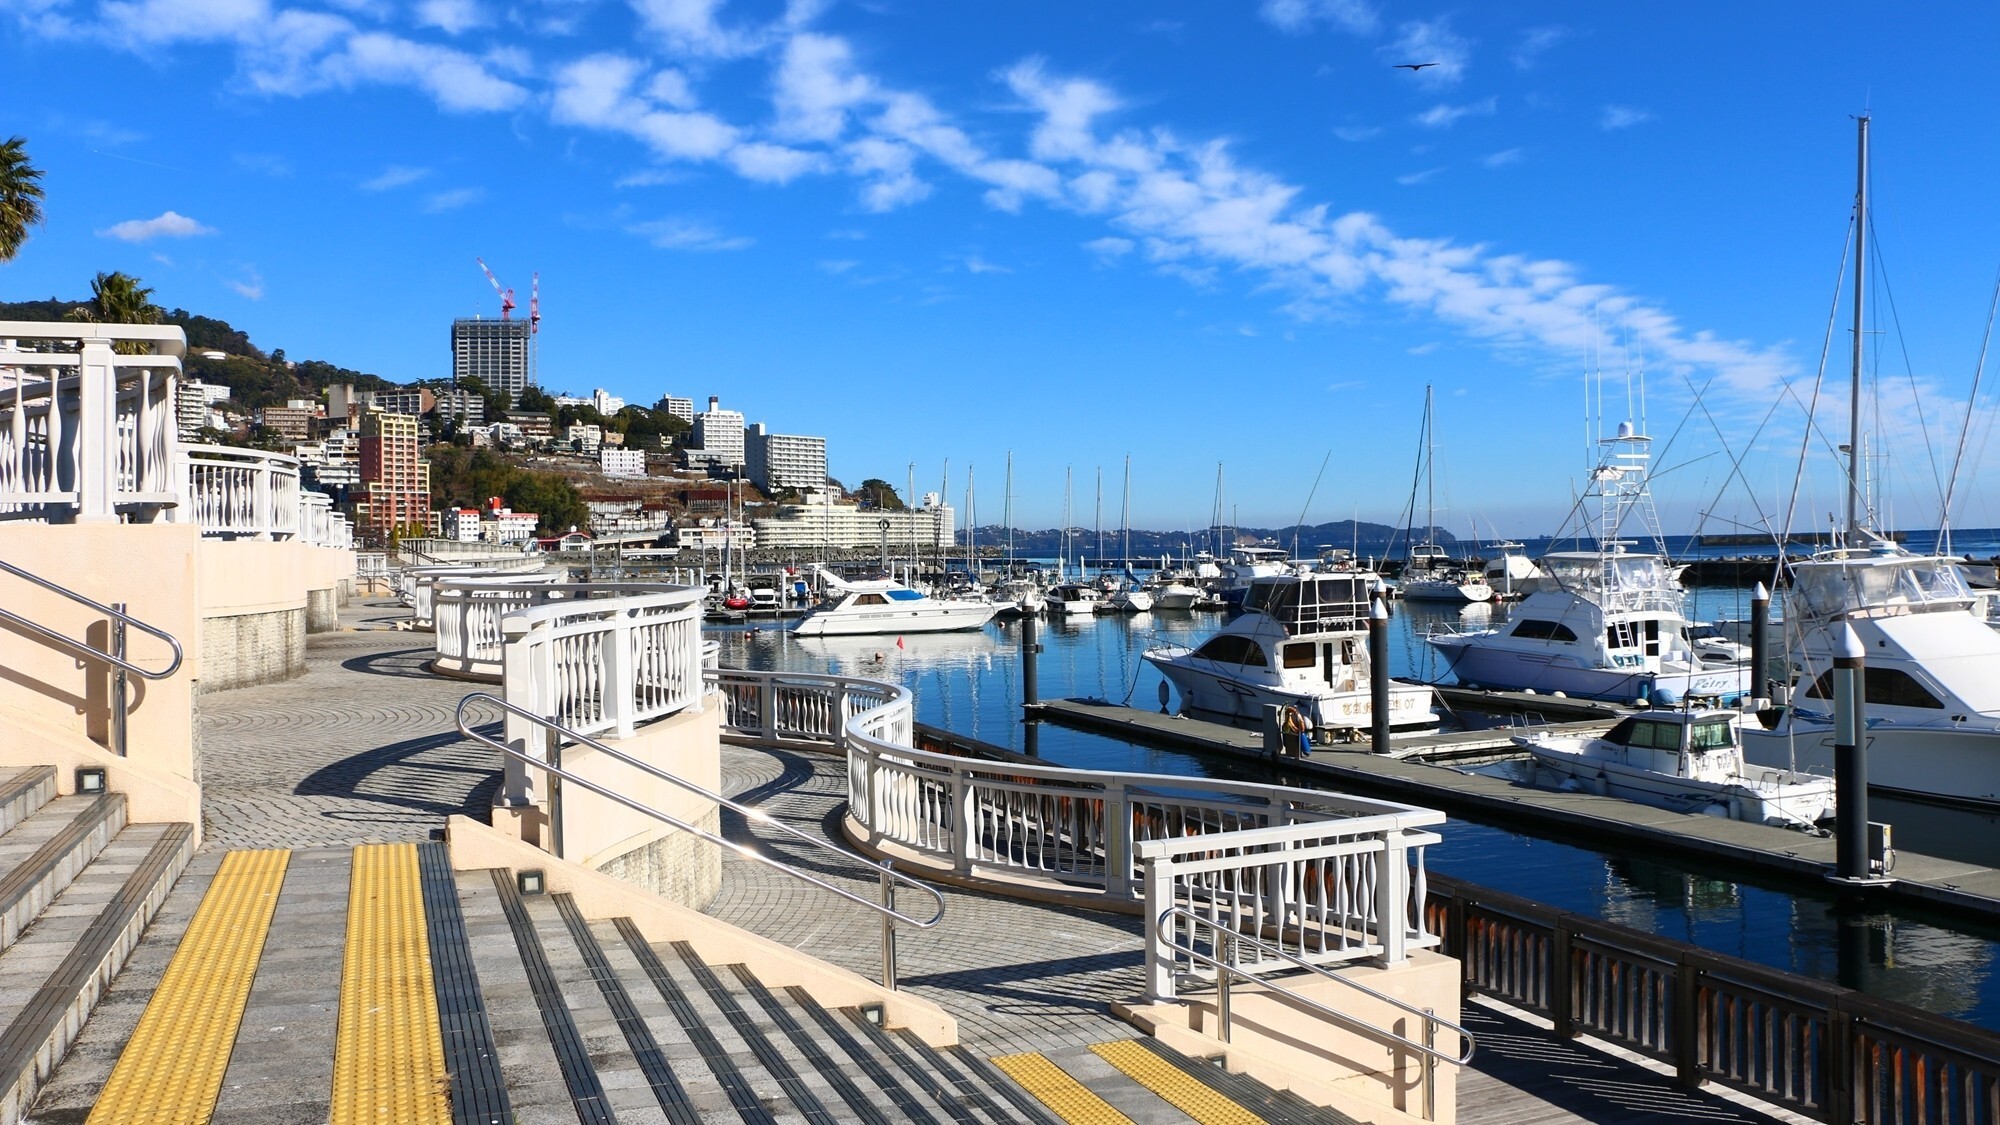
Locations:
(1850, 756)
(1760, 617)
(1378, 674)
(1031, 695)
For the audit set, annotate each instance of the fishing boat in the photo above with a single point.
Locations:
(882, 606)
(1072, 599)
(1174, 590)
(1931, 681)
(1607, 623)
(1245, 566)
(1686, 759)
(1301, 642)
(1513, 574)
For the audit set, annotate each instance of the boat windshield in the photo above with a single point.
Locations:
(1314, 604)
(904, 595)
(1824, 590)
(1620, 581)
(1711, 734)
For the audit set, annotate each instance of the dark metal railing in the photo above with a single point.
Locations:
(1816, 1049)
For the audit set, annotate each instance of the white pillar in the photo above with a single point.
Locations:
(96, 439)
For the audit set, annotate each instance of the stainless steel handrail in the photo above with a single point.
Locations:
(115, 644)
(1223, 971)
(884, 872)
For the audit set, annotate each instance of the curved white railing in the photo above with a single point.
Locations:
(87, 425)
(1340, 878)
(466, 614)
(239, 493)
(606, 665)
(417, 585)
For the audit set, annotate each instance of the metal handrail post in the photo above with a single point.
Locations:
(1225, 952)
(555, 775)
(888, 925)
(117, 647)
(1429, 1064)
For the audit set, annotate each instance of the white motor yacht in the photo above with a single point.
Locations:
(1430, 576)
(882, 606)
(1691, 760)
(1302, 642)
(1073, 599)
(1513, 574)
(1246, 565)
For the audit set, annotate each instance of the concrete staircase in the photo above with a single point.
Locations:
(378, 984)
(78, 886)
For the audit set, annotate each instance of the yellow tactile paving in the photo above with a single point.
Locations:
(1181, 1090)
(1053, 1087)
(172, 1067)
(388, 1057)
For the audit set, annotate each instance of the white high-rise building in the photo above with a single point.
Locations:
(718, 436)
(682, 408)
(496, 351)
(781, 461)
(606, 403)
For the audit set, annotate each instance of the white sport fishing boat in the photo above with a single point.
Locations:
(1607, 623)
(1690, 760)
(1073, 599)
(1931, 681)
(1174, 590)
(1430, 576)
(1301, 642)
(882, 606)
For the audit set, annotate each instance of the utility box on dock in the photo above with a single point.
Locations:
(1881, 848)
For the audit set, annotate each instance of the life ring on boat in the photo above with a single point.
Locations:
(1291, 721)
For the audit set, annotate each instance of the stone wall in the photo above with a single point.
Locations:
(679, 868)
(252, 648)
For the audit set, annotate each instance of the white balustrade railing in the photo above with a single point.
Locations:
(416, 585)
(466, 614)
(235, 493)
(88, 431)
(1321, 871)
(320, 525)
(601, 666)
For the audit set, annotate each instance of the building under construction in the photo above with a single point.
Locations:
(497, 352)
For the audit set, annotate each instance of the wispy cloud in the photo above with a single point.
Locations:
(1534, 43)
(1414, 178)
(453, 17)
(1622, 117)
(1109, 249)
(976, 264)
(1503, 158)
(1297, 17)
(251, 286)
(837, 266)
(169, 224)
(452, 199)
(1357, 132)
(1442, 116)
(1423, 349)
(264, 164)
(394, 176)
(685, 234)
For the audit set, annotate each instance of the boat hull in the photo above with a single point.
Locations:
(949, 618)
(1788, 801)
(1938, 766)
(1515, 670)
(1208, 692)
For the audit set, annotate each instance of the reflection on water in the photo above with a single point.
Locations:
(970, 683)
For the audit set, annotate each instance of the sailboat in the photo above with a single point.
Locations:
(1131, 597)
(1429, 575)
(1931, 682)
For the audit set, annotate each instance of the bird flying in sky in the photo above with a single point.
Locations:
(1413, 65)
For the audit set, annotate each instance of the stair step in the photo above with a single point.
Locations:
(814, 1050)
(42, 853)
(478, 1090)
(913, 1106)
(1280, 1107)
(809, 1095)
(656, 1071)
(50, 979)
(23, 789)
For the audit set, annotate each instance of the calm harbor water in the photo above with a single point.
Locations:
(970, 683)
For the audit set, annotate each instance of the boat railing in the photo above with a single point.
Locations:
(1814, 1048)
(551, 736)
(1080, 829)
(1222, 958)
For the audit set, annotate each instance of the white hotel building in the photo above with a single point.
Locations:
(818, 523)
(780, 461)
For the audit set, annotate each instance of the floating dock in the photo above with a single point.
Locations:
(1406, 774)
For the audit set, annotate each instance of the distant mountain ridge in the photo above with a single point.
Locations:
(1361, 537)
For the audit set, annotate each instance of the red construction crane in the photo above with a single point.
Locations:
(506, 295)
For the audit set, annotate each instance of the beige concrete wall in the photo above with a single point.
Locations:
(151, 568)
(254, 606)
(604, 835)
(1294, 1047)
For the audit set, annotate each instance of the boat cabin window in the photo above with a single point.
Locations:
(1299, 655)
(905, 595)
(1827, 589)
(1228, 649)
(1890, 687)
(1651, 734)
(1543, 630)
(871, 599)
(1633, 634)
(1711, 734)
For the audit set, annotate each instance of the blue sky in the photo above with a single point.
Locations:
(1194, 233)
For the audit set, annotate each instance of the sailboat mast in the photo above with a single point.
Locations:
(1430, 456)
(1125, 514)
(1854, 387)
(1007, 512)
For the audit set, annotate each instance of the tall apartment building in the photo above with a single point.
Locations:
(468, 408)
(781, 461)
(820, 522)
(682, 408)
(394, 474)
(295, 421)
(194, 407)
(606, 403)
(718, 436)
(498, 352)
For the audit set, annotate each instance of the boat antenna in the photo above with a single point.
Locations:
(1958, 458)
(1860, 288)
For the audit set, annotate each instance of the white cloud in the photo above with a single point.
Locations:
(1423, 349)
(1622, 117)
(169, 224)
(168, 21)
(683, 234)
(1357, 132)
(838, 266)
(690, 27)
(1298, 16)
(457, 81)
(452, 199)
(670, 87)
(1412, 179)
(651, 177)
(1109, 249)
(596, 92)
(976, 264)
(1534, 42)
(1503, 158)
(1430, 41)
(773, 164)
(887, 166)
(453, 17)
(815, 87)
(251, 287)
(1442, 116)
(394, 176)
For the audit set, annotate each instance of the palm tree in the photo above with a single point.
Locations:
(118, 298)
(20, 196)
